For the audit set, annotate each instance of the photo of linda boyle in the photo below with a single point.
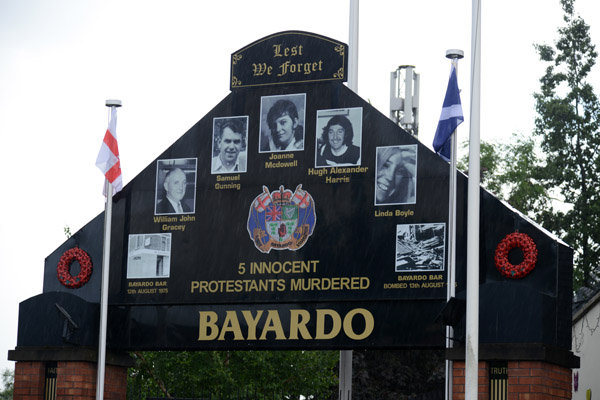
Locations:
(282, 123)
(339, 137)
(396, 175)
(175, 186)
(420, 247)
(229, 145)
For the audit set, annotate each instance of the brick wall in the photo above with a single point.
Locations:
(532, 380)
(76, 380)
(115, 383)
(29, 380)
(527, 380)
(458, 381)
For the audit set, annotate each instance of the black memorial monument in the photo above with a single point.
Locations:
(312, 222)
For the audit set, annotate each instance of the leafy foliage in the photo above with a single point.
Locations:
(512, 171)
(398, 374)
(8, 381)
(490, 163)
(553, 177)
(567, 126)
(189, 374)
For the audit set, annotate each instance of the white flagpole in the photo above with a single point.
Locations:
(353, 47)
(454, 55)
(472, 328)
(345, 369)
(105, 274)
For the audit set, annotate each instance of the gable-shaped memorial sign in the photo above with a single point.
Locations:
(289, 57)
(298, 216)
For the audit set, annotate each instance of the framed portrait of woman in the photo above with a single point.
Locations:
(396, 175)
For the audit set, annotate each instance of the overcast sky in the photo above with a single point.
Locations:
(169, 64)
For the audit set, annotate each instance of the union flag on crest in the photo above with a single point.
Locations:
(281, 220)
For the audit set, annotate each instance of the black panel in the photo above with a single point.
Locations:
(89, 239)
(342, 249)
(395, 324)
(58, 319)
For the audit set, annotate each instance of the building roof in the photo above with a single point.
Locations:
(584, 299)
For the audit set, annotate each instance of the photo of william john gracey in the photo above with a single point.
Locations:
(175, 186)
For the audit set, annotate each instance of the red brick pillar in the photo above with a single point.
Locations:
(29, 380)
(458, 381)
(75, 380)
(527, 380)
(538, 380)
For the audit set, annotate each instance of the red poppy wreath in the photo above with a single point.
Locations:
(530, 252)
(64, 268)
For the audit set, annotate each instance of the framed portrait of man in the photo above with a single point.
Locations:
(175, 186)
(230, 138)
(339, 137)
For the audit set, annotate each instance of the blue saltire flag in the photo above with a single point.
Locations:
(451, 117)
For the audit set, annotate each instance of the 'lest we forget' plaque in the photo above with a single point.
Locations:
(289, 57)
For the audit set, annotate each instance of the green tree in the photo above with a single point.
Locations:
(490, 164)
(8, 381)
(513, 171)
(232, 373)
(553, 177)
(522, 178)
(398, 374)
(567, 127)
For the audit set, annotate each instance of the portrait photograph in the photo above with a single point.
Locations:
(149, 256)
(396, 175)
(230, 138)
(282, 121)
(338, 137)
(420, 247)
(175, 186)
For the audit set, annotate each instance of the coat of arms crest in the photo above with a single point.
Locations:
(281, 220)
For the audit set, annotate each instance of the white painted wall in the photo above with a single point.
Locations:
(586, 345)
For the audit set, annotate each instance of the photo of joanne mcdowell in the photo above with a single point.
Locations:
(282, 123)
(229, 145)
(175, 186)
(149, 256)
(396, 175)
(339, 137)
(420, 247)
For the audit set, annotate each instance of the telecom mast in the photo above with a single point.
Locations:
(404, 98)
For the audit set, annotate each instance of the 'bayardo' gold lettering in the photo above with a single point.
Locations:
(329, 324)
